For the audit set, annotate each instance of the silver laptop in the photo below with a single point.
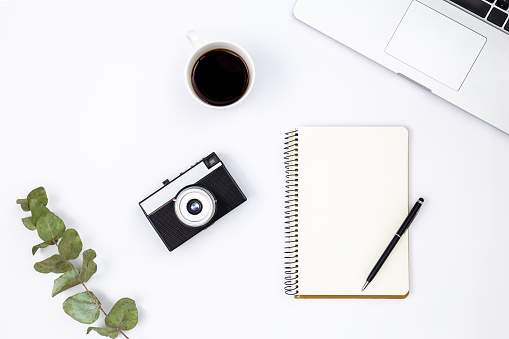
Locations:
(458, 49)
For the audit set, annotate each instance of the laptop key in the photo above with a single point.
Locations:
(490, 1)
(507, 26)
(497, 17)
(504, 4)
(477, 7)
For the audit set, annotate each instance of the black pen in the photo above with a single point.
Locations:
(394, 241)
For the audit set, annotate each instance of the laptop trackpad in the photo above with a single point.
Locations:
(435, 45)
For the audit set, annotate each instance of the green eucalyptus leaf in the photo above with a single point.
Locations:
(50, 227)
(105, 332)
(70, 246)
(123, 315)
(37, 209)
(82, 307)
(89, 267)
(65, 281)
(53, 264)
(39, 194)
(41, 245)
(28, 223)
(24, 204)
(36, 247)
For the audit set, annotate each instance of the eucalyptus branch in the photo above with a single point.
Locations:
(84, 307)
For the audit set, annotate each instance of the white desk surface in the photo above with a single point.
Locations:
(94, 107)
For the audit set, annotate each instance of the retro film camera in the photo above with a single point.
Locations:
(192, 201)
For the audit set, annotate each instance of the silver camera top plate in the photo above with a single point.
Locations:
(169, 191)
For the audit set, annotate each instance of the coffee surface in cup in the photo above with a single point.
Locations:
(220, 77)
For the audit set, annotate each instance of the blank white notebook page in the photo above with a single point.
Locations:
(353, 197)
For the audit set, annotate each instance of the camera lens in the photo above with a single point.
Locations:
(194, 206)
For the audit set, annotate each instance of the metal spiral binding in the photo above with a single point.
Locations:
(292, 212)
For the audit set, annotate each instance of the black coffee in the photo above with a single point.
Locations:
(220, 77)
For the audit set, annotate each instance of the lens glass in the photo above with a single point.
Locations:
(194, 206)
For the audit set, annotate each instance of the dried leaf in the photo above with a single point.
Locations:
(36, 247)
(65, 281)
(105, 332)
(82, 307)
(89, 267)
(53, 264)
(50, 227)
(70, 246)
(123, 315)
(28, 223)
(41, 245)
(39, 194)
(24, 204)
(37, 209)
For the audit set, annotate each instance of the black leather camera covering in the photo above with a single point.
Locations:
(174, 233)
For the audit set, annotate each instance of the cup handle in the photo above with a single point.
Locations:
(194, 39)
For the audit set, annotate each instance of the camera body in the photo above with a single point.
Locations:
(192, 202)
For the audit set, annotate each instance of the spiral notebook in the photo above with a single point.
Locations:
(347, 195)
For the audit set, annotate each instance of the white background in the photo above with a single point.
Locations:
(94, 107)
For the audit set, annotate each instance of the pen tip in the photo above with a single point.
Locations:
(421, 200)
(365, 285)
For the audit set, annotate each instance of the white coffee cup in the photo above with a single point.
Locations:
(200, 49)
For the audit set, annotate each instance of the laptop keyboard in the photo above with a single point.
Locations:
(493, 11)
